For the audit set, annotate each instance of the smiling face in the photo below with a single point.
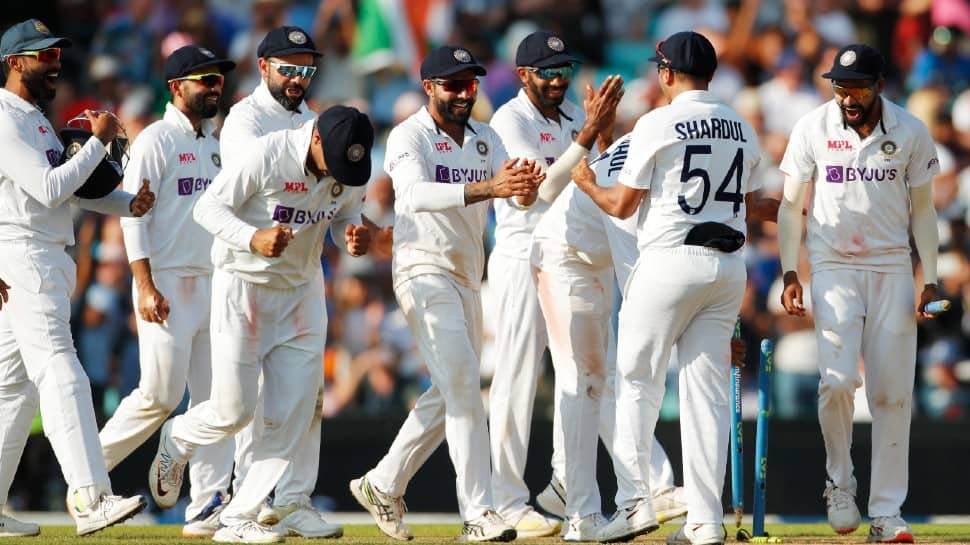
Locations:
(199, 97)
(857, 99)
(38, 72)
(453, 96)
(546, 87)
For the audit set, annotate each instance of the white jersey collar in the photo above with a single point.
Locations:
(17, 102)
(696, 95)
(176, 117)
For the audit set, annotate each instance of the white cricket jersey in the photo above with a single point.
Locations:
(527, 134)
(695, 157)
(859, 217)
(271, 186)
(575, 225)
(179, 164)
(254, 116)
(447, 241)
(35, 193)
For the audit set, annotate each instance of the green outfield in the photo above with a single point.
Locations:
(446, 533)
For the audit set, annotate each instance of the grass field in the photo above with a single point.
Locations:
(427, 534)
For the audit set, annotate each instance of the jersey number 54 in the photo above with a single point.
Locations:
(722, 194)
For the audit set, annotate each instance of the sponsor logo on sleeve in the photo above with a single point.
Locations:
(397, 160)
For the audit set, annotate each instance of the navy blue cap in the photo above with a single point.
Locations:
(187, 59)
(286, 40)
(347, 136)
(687, 52)
(29, 35)
(856, 61)
(446, 60)
(543, 49)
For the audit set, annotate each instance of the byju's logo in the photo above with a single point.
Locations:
(187, 186)
(441, 174)
(283, 214)
(834, 174)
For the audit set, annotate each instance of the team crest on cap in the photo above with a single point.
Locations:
(355, 153)
(216, 160)
(481, 148)
(889, 149)
(337, 189)
(462, 56)
(41, 27)
(297, 37)
(847, 58)
(207, 53)
(555, 44)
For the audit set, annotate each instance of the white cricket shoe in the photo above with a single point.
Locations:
(11, 527)
(388, 511)
(305, 521)
(488, 527)
(534, 524)
(268, 515)
(206, 522)
(698, 534)
(890, 530)
(670, 504)
(843, 513)
(627, 524)
(166, 472)
(108, 511)
(248, 531)
(552, 499)
(584, 528)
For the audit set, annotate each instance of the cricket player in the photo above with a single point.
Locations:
(869, 164)
(576, 249)
(172, 268)
(444, 167)
(690, 164)
(270, 214)
(541, 125)
(287, 58)
(38, 361)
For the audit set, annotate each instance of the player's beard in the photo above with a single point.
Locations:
(203, 108)
(862, 118)
(37, 84)
(279, 93)
(448, 112)
(544, 100)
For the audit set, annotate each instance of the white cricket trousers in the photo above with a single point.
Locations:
(446, 321)
(279, 332)
(872, 314)
(689, 296)
(172, 354)
(36, 347)
(520, 339)
(577, 302)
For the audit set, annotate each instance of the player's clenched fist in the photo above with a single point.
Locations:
(358, 239)
(791, 296)
(152, 305)
(143, 202)
(271, 242)
(4, 297)
(104, 125)
(583, 175)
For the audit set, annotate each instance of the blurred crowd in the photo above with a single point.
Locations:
(771, 54)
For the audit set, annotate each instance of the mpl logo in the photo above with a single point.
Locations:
(188, 186)
(295, 187)
(840, 145)
(546, 137)
(442, 146)
(186, 158)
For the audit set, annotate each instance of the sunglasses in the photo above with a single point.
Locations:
(211, 79)
(456, 86)
(294, 70)
(549, 74)
(49, 55)
(858, 93)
